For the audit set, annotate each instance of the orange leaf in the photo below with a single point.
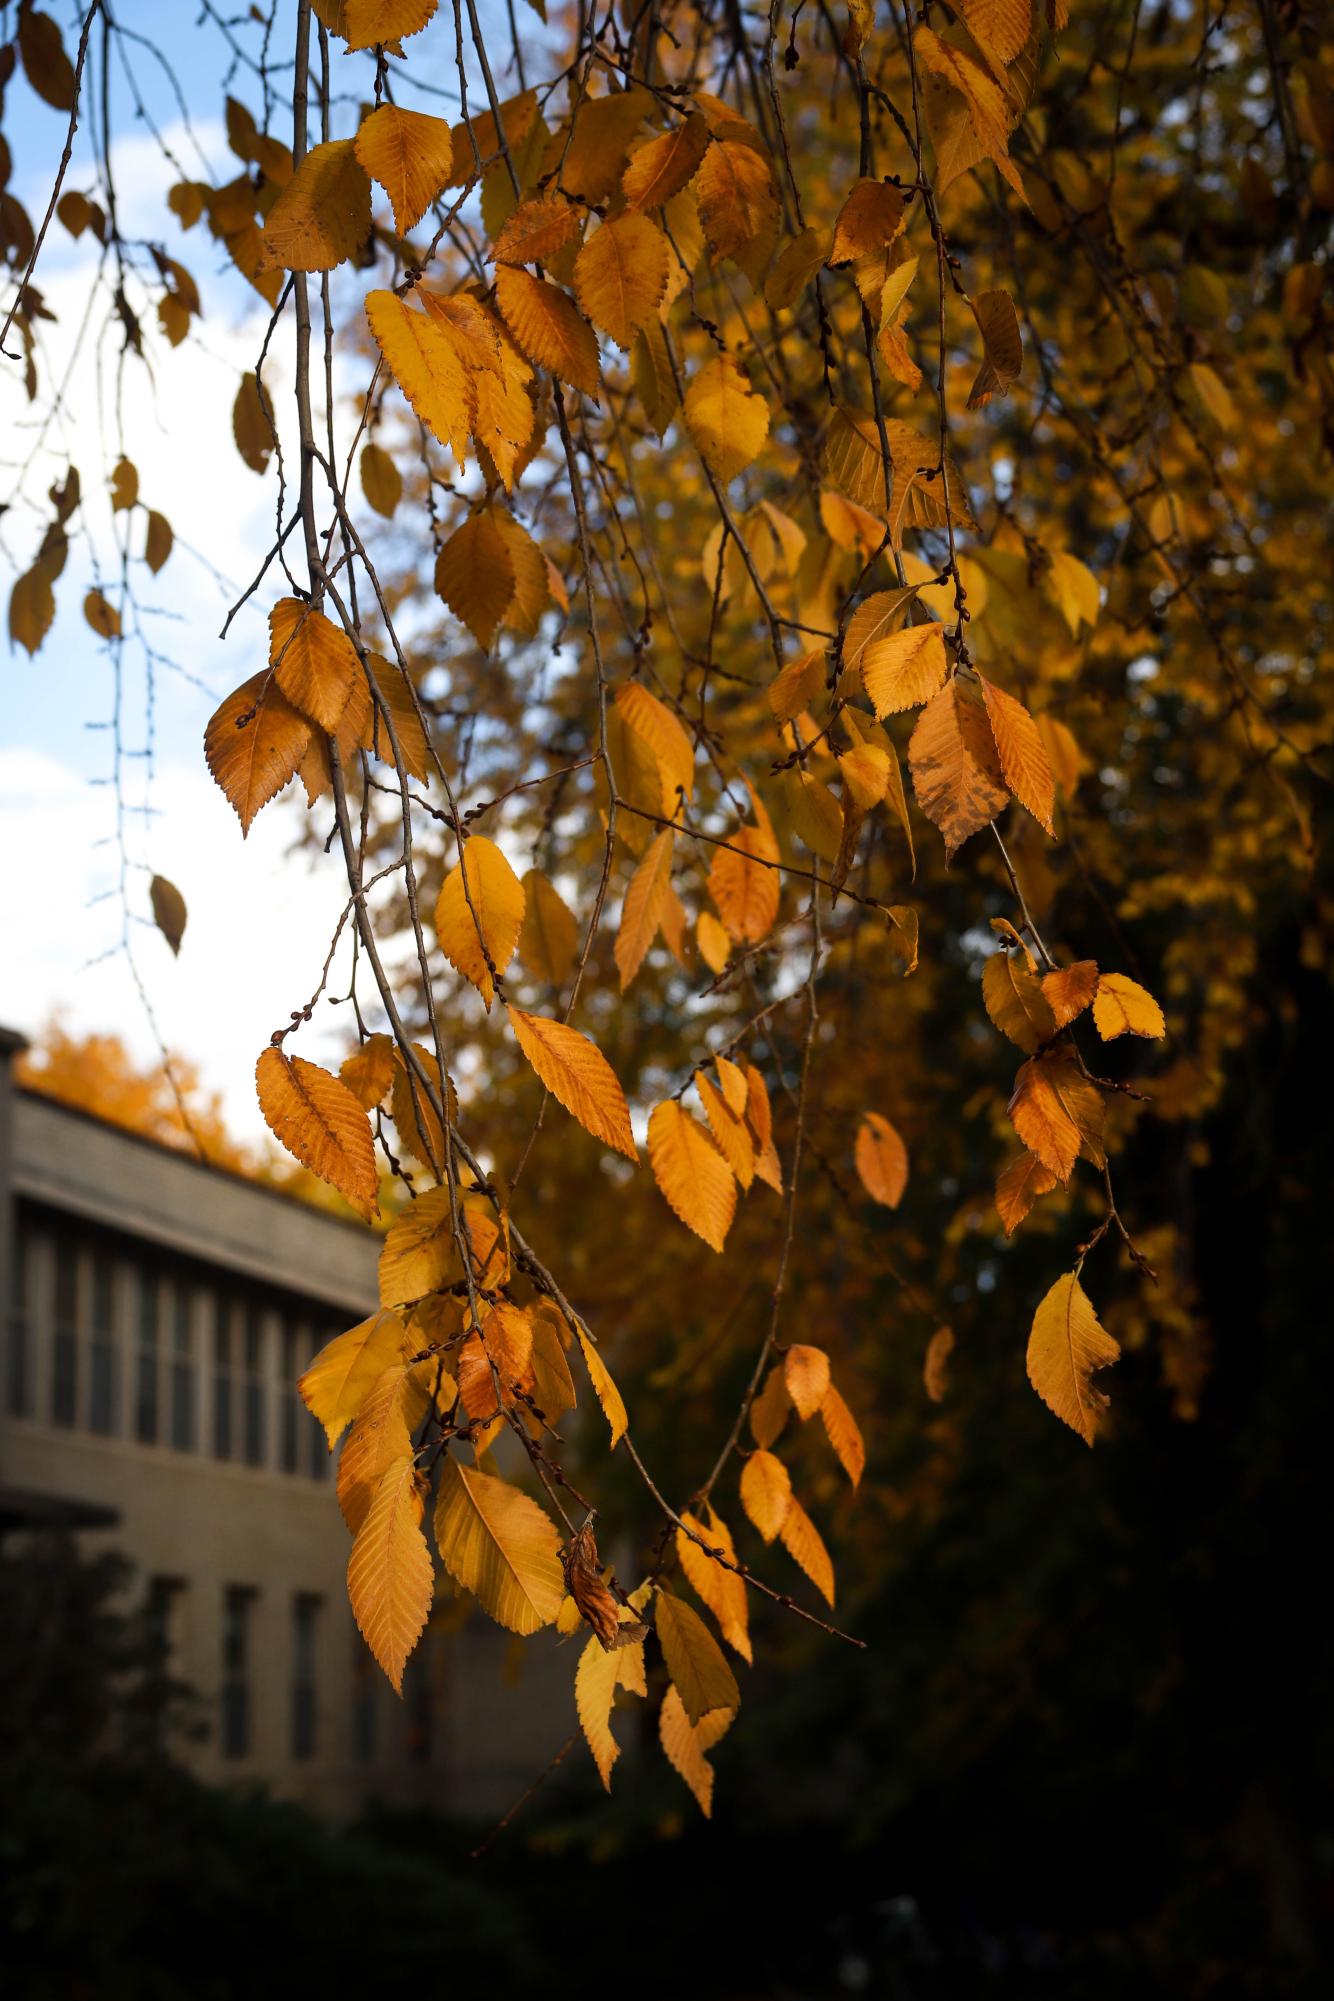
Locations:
(319, 1122)
(882, 1160)
(692, 1174)
(578, 1076)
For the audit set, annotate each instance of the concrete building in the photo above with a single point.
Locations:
(157, 1315)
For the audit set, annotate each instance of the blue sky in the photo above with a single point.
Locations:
(260, 918)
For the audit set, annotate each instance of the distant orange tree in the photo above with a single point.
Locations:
(826, 512)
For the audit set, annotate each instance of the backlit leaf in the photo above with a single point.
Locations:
(1122, 1007)
(319, 1122)
(1066, 1347)
(253, 745)
(696, 1663)
(578, 1076)
(806, 1374)
(882, 1160)
(323, 214)
(500, 1545)
(766, 1492)
(692, 1174)
(478, 915)
(390, 1581)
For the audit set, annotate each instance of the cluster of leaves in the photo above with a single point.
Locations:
(741, 477)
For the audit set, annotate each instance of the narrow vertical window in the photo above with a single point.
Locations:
(18, 1350)
(364, 1719)
(253, 1386)
(147, 1360)
(65, 1345)
(162, 1621)
(222, 1379)
(237, 1610)
(102, 1345)
(305, 1623)
(293, 1410)
(182, 1369)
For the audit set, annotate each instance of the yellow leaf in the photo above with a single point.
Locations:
(1070, 989)
(875, 619)
(731, 1134)
(766, 1492)
(599, 1674)
(696, 1663)
(685, 1744)
(654, 724)
(904, 668)
(1057, 1113)
(804, 1544)
(382, 1433)
(1018, 1187)
(578, 1076)
(767, 1165)
(419, 1254)
(999, 27)
(793, 268)
(323, 214)
(398, 696)
(339, 1381)
(956, 774)
(844, 1434)
(882, 1160)
(369, 1071)
(984, 101)
(769, 1411)
(253, 745)
(798, 684)
(693, 1176)
(474, 574)
(478, 915)
(1121, 1006)
(537, 230)
(665, 165)
(871, 217)
(604, 1389)
(549, 938)
(1066, 1347)
(546, 325)
(935, 1363)
(641, 911)
(806, 1375)
(744, 883)
(319, 1122)
(1016, 1002)
(364, 23)
(722, 1590)
(727, 420)
(553, 1385)
(425, 362)
(1022, 754)
(500, 1545)
(1077, 593)
(390, 1580)
(410, 155)
(381, 480)
(1002, 343)
(620, 276)
(715, 947)
(317, 668)
(737, 202)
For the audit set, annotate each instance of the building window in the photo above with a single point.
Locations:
(294, 1411)
(222, 1379)
(162, 1611)
(65, 1346)
(305, 1620)
(417, 1696)
(102, 1346)
(182, 1370)
(146, 1374)
(253, 1385)
(18, 1364)
(363, 1701)
(238, 1606)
